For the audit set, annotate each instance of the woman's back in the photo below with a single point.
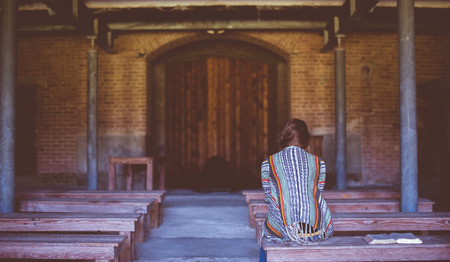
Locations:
(293, 181)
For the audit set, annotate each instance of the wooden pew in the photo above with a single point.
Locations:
(100, 248)
(123, 223)
(378, 222)
(92, 205)
(348, 205)
(392, 221)
(354, 248)
(336, 194)
(155, 214)
(257, 195)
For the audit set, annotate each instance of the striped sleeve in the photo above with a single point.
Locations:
(322, 175)
(265, 173)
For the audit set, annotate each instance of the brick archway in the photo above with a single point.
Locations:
(199, 37)
(216, 97)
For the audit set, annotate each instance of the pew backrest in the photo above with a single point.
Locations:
(61, 246)
(354, 248)
(336, 194)
(92, 205)
(392, 221)
(156, 212)
(380, 222)
(158, 195)
(81, 222)
(123, 223)
(357, 205)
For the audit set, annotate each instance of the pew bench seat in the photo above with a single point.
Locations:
(155, 213)
(379, 222)
(92, 205)
(120, 223)
(388, 193)
(354, 248)
(348, 206)
(100, 248)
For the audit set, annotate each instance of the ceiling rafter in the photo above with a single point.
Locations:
(217, 25)
(78, 14)
(352, 12)
(332, 17)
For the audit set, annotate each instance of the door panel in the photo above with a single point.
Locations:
(218, 107)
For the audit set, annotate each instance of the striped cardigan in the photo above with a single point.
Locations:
(293, 181)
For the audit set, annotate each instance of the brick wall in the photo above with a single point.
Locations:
(371, 82)
(61, 62)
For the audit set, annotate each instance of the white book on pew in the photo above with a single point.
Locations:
(393, 238)
(405, 238)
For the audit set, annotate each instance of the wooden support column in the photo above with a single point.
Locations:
(92, 161)
(340, 104)
(8, 71)
(408, 111)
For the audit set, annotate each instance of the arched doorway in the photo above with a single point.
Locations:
(220, 100)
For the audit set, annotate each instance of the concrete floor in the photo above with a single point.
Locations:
(201, 227)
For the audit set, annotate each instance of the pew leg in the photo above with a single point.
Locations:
(154, 213)
(250, 216)
(147, 225)
(133, 244)
(160, 214)
(127, 255)
(258, 233)
(141, 228)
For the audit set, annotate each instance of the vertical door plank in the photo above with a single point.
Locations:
(218, 106)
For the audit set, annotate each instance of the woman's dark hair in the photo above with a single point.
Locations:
(295, 133)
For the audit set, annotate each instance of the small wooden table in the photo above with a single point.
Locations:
(129, 161)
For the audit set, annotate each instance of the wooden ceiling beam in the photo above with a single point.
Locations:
(352, 12)
(46, 28)
(329, 34)
(78, 14)
(220, 25)
(189, 25)
(113, 4)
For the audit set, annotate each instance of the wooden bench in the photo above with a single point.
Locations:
(100, 248)
(354, 248)
(351, 248)
(377, 222)
(336, 194)
(258, 195)
(123, 223)
(348, 205)
(392, 221)
(155, 213)
(92, 205)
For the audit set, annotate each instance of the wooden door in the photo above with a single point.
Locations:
(218, 107)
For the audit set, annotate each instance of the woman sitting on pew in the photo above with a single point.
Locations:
(293, 181)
